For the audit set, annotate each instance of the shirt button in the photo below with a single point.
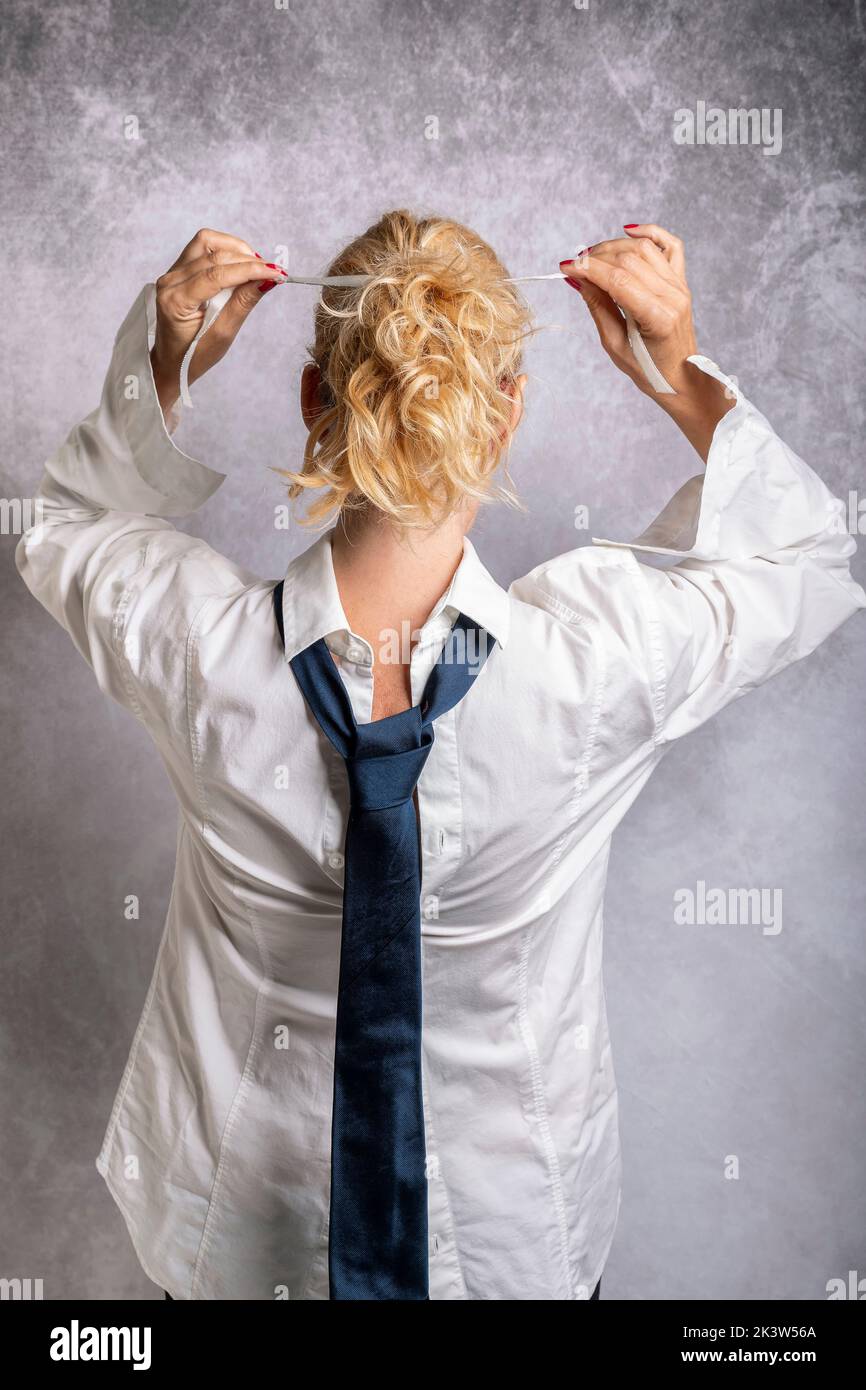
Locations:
(336, 860)
(355, 654)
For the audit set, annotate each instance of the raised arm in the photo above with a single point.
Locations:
(756, 549)
(103, 558)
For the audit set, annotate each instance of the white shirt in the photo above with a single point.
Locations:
(217, 1149)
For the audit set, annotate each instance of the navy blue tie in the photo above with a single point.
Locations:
(377, 1243)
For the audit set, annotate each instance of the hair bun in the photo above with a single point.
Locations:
(417, 364)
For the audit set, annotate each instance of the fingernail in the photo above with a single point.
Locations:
(575, 284)
(257, 256)
(563, 264)
(266, 285)
(271, 266)
(627, 226)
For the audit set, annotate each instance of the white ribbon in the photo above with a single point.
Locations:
(213, 309)
(217, 304)
(644, 361)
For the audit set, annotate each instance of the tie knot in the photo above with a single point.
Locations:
(379, 782)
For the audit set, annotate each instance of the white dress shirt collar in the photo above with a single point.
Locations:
(312, 607)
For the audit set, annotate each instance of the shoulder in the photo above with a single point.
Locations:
(597, 607)
(589, 584)
(182, 592)
(176, 575)
(602, 592)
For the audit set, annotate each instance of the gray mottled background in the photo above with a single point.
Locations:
(296, 128)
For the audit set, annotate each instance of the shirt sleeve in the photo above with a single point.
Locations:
(102, 556)
(753, 574)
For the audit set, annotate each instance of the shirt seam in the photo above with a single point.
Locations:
(322, 1240)
(734, 431)
(581, 780)
(558, 608)
(103, 1158)
(241, 1090)
(657, 669)
(118, 635)
(542, 1115)
(194, 746)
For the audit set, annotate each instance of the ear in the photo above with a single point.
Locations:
(311, 401)
(517, 398)
(515, 390)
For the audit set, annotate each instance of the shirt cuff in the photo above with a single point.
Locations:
(756, 497)
(122, 457)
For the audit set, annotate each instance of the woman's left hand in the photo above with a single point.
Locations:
(644, 272)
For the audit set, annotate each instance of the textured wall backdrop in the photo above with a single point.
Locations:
(130, 125)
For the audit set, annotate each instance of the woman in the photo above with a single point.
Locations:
(289, 1125)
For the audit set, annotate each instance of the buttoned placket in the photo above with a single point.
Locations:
(441, 846)
(441, 836)
(354, 656)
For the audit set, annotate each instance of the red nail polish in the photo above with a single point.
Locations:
(271, 266)
(266, 285)
(575, 284)
(257, 256)
(627, 226)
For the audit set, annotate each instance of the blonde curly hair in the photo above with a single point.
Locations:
(415, 367)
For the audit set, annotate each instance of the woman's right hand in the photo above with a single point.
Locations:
(211, 262)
